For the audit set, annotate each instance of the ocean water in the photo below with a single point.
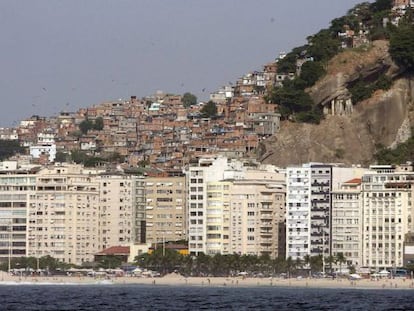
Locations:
(139, 297)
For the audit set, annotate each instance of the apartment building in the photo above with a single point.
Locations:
(257, 216)
(298, 194)
(139, 226)
(347, 222)
(17, 187)
(75, 212)
(320, 218)
(309, 207)
(198, 174)
(218, 223)
(64, 215)
(117, 208)
(244, 210)
(387, 215)
(166, 216)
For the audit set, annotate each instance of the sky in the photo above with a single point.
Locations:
(61, 55)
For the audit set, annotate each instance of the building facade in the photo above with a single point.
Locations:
(347, 222)
(166, 210)
(257, 218)
(387, 215)
(17, 189)
(309, 207)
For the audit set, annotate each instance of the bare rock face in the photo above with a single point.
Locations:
(344, 69)
(386, 118)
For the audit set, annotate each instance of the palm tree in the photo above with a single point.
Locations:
(298, 263)
(290, 264)
(330, 260)
(279, 265)
(316, 263)
(341, 259)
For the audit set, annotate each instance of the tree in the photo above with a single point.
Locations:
(316, 263)
(78, 156)
(330, 260)
(290, 265)
(401, 46)
(324, 45)
(209, 110)
(311, 72)
(109, 262)
(85, 126)
(9, 148)
(98, 124)
(61, 156)
(340, 258)
(381, 5)
(188, 100)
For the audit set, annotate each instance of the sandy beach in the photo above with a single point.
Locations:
(178, 280)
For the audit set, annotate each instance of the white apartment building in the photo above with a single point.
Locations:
(218, 218)
(166, 216)
(199, 174)
(387, 215)
(309, 207)
(17, 187)
(298, 194)
(244, 211)
(347, 222)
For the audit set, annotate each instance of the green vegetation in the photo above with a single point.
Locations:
(189, 100)
(109, 262)
(324, 45)
(166, 261)
(45, 262)
(311, 72)
(402, 46)
(87, 125)
(209, 110)
(81, 157)
(362, 90)
(295, 104)
(401, 154)
(61, 157)
(9, 148)
(339, 153)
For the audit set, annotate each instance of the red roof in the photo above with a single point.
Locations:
(353, 181)
(115, 250)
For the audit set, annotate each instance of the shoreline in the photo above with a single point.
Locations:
(178, 280)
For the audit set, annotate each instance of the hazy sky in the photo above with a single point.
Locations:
(62, 55)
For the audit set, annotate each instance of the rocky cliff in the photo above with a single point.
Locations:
(350, 132)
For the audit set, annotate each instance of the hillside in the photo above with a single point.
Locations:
(350, 132)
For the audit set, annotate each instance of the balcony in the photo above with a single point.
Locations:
(320, 184)
(320, 217)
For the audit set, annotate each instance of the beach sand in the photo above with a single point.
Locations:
(178, 280)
